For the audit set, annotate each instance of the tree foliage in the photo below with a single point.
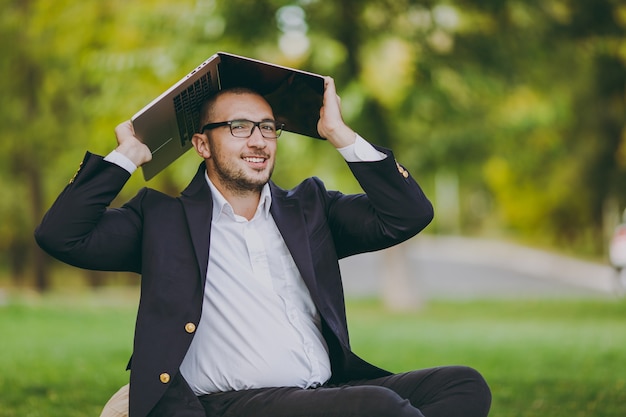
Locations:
(522, 102)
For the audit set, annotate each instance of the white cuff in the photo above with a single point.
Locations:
(121, 160)
(361, 151)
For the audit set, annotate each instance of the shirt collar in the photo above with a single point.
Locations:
(221, 205)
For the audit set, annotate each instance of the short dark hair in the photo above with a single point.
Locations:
(207, 106)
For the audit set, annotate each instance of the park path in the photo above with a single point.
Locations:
(450, 267)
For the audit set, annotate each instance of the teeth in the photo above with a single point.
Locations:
(252, 159)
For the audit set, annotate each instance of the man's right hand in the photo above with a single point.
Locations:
(130, 146)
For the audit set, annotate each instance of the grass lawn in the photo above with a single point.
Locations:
(64, 356)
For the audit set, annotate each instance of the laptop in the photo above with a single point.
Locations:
(167, 124)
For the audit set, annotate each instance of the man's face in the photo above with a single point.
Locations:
(239, 165)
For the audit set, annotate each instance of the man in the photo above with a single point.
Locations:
(242, 310)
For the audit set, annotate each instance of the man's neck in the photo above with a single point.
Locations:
(243, 204)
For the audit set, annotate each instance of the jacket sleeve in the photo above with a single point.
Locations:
(392, 209)
(81, 230)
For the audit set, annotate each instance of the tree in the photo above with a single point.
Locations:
(519, 103)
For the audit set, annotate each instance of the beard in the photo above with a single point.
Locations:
(235, 179)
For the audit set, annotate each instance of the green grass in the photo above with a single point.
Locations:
(64, 356)
(541, 358)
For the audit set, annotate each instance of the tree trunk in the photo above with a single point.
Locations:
(398, 291)
(40, 264)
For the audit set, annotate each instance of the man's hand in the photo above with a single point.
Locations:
(130, 146)
(331, 125)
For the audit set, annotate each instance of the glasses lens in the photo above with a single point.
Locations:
(241, 128)
(269, 130)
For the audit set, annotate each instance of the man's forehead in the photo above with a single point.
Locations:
(238, 95)
(247, 102)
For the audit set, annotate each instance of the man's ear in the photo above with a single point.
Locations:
(201, 144)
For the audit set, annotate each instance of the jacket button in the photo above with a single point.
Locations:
(164, 377)
(190, 327)
(77, 171)
(401, 170)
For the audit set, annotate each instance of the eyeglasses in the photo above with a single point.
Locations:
(270, 129)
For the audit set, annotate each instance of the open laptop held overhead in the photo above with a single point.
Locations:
(167, 124)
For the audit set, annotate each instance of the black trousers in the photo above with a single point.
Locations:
(451, 391)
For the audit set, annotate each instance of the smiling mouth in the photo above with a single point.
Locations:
(254, 159)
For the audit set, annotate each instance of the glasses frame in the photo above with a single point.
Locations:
(279, 127)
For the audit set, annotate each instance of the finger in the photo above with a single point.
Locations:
(124, 128)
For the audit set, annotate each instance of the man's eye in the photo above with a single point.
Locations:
(268, 126)
(239, 126)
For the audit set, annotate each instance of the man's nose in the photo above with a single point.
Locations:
(256, 139)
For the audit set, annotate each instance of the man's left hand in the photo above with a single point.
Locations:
(331, 125)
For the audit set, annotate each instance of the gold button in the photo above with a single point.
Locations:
(164, 377)
(77, 171)
(190, 327)
(402, 171)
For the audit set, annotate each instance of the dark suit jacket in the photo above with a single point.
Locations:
(167, 241)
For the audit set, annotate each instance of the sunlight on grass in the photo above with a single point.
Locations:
(552, 358)
(65, 355)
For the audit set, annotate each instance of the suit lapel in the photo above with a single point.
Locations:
(198, 205)
(290, 221)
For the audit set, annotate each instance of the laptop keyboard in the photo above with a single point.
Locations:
(187, 105)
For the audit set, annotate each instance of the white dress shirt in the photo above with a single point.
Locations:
(259, 327)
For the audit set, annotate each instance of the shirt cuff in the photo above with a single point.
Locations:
(361, 151)
(121, 160)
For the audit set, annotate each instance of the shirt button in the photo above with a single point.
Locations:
(190, 327)
(164, 377)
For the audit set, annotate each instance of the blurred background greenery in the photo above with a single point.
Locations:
(510, 113)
